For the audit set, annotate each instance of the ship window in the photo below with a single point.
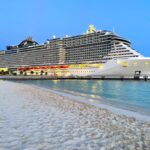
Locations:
(146, 63)
(135, 63)
(125, 64)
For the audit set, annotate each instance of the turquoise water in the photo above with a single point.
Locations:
(129, 94)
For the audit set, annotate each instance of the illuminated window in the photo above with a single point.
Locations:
(125, 64)
(118, 61)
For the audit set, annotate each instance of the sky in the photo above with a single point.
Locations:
(42, 19)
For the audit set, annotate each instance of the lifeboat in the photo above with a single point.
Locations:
(22, 69)
(64, 67)
(54, 67)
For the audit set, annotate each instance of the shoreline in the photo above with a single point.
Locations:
(119, 110)
(36, 118)
(112, 108)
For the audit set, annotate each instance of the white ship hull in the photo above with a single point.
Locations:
(120, 68)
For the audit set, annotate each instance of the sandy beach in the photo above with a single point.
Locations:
(36, 119)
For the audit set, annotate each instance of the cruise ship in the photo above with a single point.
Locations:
(94, 54)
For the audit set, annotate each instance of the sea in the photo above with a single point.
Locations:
(131, 95)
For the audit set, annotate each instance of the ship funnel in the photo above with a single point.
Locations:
(91, 29)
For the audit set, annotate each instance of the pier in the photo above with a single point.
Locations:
(11, 77)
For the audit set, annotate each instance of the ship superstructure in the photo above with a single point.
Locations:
(93, 54)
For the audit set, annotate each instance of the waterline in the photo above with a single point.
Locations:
(131, 95)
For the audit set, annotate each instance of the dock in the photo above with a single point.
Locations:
(11, 77)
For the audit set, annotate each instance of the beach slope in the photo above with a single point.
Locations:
(32, 119)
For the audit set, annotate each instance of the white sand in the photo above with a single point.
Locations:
(34, 119)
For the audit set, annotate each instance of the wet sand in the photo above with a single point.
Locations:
(37, 119)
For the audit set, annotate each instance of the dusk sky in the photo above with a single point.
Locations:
(42, 19)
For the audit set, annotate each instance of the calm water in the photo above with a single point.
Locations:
(127, 94)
